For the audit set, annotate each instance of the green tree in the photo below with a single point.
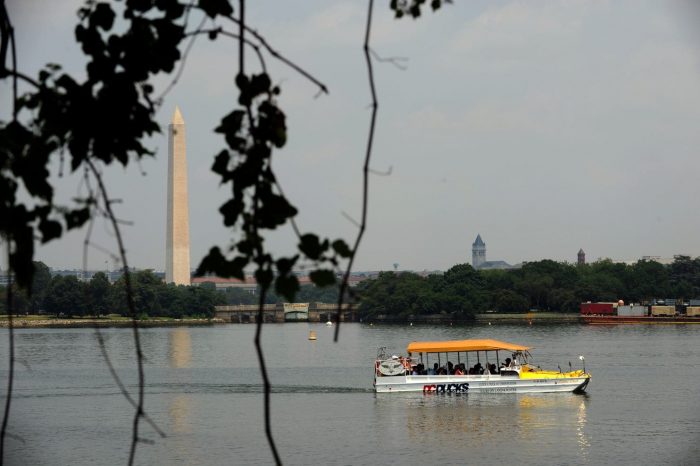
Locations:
(510, 301)
(20, 303)
(40, 285)
(684, 277)
(146, 288)
(98, 292)
(649, 279)
(65, 297)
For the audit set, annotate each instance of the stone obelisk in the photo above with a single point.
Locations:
(177, 241)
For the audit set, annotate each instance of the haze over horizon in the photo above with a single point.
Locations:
(543, 126)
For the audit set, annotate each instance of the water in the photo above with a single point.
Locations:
(204, 391)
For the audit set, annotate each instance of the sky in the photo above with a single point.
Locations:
(544, 126)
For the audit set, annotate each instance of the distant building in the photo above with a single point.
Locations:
(479, 261)
(251, 285)
(478, 252)
(581, 257)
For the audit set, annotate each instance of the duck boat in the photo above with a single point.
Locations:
(471, 366)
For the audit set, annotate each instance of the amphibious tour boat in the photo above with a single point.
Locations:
(466, 366)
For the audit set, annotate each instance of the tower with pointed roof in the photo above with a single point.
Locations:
(177, 235)
(478, 252)
(581, 257)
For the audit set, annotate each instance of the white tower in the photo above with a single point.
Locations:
(177, 235)
(478, 252)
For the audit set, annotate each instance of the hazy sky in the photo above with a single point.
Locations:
(544, 126)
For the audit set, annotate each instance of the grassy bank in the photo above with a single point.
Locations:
(38, 321)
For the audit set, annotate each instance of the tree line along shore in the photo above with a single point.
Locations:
(461, 292)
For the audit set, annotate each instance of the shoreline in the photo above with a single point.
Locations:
(539, 317)
(522, 318)
(20, 323)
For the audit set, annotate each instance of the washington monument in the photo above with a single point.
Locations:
(177, 235)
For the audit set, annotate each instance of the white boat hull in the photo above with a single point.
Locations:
(478, 384)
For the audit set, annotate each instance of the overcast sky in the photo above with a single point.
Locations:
(544, 126)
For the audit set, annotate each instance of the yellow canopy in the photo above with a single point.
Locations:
(453, 346)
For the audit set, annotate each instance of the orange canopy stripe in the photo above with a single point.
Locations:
(453, 346)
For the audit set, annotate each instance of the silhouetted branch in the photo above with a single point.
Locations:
(180, 69)
(396, 61)
(223, 32)
(7, 38)
(349, 217)
(258, 251)
(98, 332)
(132, 310)
(11, 369)
(278, 56)
(384, 173)
(266, 380)
(365, 171)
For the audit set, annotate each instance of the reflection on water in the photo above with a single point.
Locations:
(493, 421)
(583, 441)
(179, 406)
(180, 348)
(179, 411)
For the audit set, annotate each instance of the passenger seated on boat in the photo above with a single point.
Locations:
(492, 369)
(507, 363)
(458, 370)
(434, 370)
(478, 369)
(450, 368)
(442, 371)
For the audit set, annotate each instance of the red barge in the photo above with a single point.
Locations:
(619, 313)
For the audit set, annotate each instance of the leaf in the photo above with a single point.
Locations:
(216, 7)
(287, 286)
(260, 84)
(285, 264)
(271, 125)
(310, 245)
(102, 17)
(264, 277)
(230, 126)
(231, 211)
(50, 229)
(274, 210)
(322, 277)
(77, 217)
(221, 165)
(341, 248)
(216, 263)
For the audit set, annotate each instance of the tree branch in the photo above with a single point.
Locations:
(259, 254)
(132, 310)
(11, 369)
(322, 87)
(365, 170)
(98, 332)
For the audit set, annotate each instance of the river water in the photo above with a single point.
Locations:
(203, 390)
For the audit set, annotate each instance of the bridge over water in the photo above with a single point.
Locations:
(288, 312)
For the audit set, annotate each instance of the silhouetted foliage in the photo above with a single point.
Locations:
(126, 48)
